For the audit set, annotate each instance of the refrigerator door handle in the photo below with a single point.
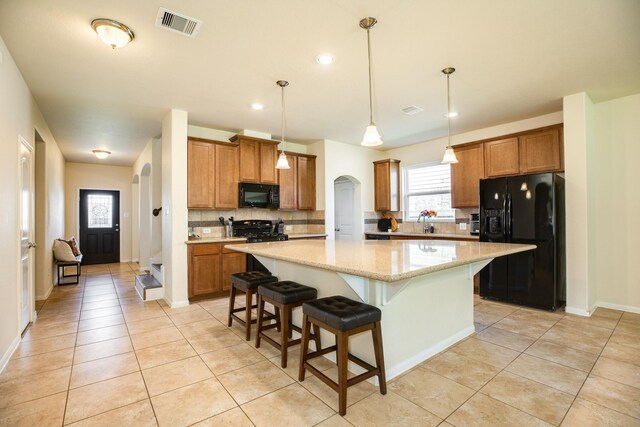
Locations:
(509, 224)
(504, 215)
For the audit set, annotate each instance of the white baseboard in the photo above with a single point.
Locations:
(7, 354)
(46, 295)
(577, 311)
(620, 307)
(178, 304)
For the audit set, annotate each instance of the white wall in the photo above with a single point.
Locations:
(99, 177)
(19, 115)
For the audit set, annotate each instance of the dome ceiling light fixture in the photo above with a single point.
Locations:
(282, 163)
(371, 135)
(112, 33)
(101, 154)
(449, 154)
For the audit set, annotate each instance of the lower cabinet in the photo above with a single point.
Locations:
(210, 266)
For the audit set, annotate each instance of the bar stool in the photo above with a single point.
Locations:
(342, 317)
(248, 283)
(284, 296)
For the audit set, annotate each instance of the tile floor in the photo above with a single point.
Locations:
(97, 355)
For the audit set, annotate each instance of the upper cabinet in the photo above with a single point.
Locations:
(541, 151)
(258, 159)
(501, 157)
(298, 183)
(226, 177)
(212, 174)
(386, 177)
(466, 174)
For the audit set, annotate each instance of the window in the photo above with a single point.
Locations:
(100, 210)
(428, 186)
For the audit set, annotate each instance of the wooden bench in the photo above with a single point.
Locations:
(64, 264)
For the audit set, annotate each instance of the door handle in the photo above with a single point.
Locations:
(336, 229)
(31, 245)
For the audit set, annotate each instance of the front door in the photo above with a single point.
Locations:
(99, 226)
(26, 232)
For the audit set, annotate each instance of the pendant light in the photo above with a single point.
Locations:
(282, 163)
(371, 135)
(449, 154)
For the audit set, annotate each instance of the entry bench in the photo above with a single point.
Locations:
(62, 274)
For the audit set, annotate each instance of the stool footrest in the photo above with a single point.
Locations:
(242, 321)
(322, 352)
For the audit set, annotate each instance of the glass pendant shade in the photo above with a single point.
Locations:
(371, 137)
(283, 163)
(112, 33)
(449, 156)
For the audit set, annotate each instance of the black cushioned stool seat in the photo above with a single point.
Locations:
(343, 317)
(284, 296)
(248, 283)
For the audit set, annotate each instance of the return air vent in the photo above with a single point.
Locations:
(411, 110)
(178, 23)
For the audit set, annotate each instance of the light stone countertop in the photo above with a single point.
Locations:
(202, 240)
(384, 260)
(426, 235)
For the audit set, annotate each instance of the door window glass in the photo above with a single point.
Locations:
(100, 208)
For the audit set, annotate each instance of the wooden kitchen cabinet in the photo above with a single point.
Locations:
(257, 159)
(232, 262)
(306, 183)
(200, 174)
(226, 176)
(268, 160)
(289, 185)
(501, 157)
(204, 269)
(386, 177)
(541, 151)
(466, 175)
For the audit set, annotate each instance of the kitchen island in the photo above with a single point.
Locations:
(423, 287)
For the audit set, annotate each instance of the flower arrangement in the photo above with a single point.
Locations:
(428, 213)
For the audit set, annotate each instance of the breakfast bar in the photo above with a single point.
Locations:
(424, 288)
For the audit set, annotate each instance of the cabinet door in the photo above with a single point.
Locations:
(466, 176)
(226, 176)
(289, 185)
(204, 269)
(268, 159)
(306, 183)
(541, 152)
(232, 262)
(501, 157)
(382, 190)
(249, 160)
(200, 163)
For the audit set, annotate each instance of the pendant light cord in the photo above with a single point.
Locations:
(283, 120)
(448, 114)
(370, 91)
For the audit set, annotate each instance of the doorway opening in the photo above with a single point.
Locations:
(100, 226)
(26, 199)
(347, 208)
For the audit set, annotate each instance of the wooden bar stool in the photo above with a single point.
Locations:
(342, 317)
(284, 296)
(248, 283)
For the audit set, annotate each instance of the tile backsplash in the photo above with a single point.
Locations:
(444, 227)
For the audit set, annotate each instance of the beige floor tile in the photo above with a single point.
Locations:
(388, 410)
(632, 318)
(171, 376)
(100, 322)
(505, 338)
(206, 343)
(563, 355)
(584, 413)
(581, 322)
(629, 340)
(433, 392)
(531, 328)
(461, 369)
(621, 352)
(100, 312)
(43, 412)
(231, 418)
(94, 399)
(193, 403)
(253, 381)
(145, 325)
(102, 334)
(103, 369)
(607, 313)
(45, 345)
(293, 363)
(96, 298)
(486, 318)
(190, 316)
(155, 337)
(232, 358)
(542, 317)
(139, 414)
(482, 410)
(102, 349)
(36, 332)
(291, 405)
(485, 352)
(106, 303)
(164, 353)
(570, 337)
(182, 310)
(33, 387)
(479, 327)
(549, 373)
(143, 313)
(628, 328)
(616, 370)
(335, 421)
(323, 392)
(56, 319)
(536, 399)
(30, 365)
(501, 310)
(613, 395)
(209, 326)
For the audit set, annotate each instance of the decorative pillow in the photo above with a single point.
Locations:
(62, 251)
(73, 243)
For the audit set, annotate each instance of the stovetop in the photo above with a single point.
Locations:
(257, 230)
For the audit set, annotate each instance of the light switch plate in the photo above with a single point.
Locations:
(288, 227)
(463, 226)
(206, 231)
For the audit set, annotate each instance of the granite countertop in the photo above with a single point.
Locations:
(426, 235)
(385, 260)
(202, 240)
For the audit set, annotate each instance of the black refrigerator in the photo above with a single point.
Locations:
(525, 209)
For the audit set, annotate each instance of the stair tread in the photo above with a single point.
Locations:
(156, 266)
(148, 281)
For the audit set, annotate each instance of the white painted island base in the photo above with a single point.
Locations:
(421, 316)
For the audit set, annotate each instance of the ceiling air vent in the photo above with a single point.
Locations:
(178, 23)
(411, 110)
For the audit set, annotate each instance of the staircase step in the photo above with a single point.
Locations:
(145, 283)
(156, 266)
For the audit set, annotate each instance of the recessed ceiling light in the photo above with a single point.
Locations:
(325, 59)
(257, 106)
(451, 114)
(101, 154)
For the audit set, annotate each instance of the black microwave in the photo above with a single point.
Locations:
(258, 196)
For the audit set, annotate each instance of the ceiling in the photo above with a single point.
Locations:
(514, 60)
